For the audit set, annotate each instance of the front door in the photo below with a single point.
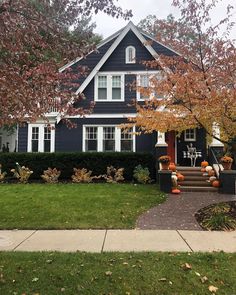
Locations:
(170, 140)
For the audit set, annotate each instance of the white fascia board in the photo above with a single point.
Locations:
(143, 40)
(71, 63)
(167, 47)
(103, 116)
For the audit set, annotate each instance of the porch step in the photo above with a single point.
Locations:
(195, 183)
(198, 189)
(187, 168)
(195, 178)
(190, 173)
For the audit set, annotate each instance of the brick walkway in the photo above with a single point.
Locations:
(177, 213)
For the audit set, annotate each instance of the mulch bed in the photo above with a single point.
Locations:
(206, 213)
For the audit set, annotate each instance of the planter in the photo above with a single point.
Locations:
(165, 166)
(226, 166)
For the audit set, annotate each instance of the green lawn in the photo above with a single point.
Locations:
(67, 206)
(116, 273)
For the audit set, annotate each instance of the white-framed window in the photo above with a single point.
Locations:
(109, 87)
(107, 138)
(130, 55)
(145, 83)
(91, 136)
(126, 141)
(190, 135)
(41, 138)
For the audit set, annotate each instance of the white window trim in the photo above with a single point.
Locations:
(190, 139)
(109, 87)
(100, 137)
(127, 61)
(41, 137)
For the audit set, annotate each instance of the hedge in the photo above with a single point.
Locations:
(65, 162)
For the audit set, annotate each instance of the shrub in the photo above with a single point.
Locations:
(51, 175)
(83, 175)
(22, 173)
(114, 175)
(65, 162)
(2, 174)
(142, 175)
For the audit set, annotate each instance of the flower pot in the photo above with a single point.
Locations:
(165, 166)
(226, 166)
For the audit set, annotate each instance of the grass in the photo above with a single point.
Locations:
(116, 273)
(67, 206)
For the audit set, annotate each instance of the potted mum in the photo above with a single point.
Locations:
(226, 162)
(165, 162)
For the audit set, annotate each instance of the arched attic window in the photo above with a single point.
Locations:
(130, 55)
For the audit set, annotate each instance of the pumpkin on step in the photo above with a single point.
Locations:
(204, 164)
(216, 183)
(175, 191)
(180, 177)
(172, 166)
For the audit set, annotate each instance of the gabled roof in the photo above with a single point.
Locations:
(116, 38)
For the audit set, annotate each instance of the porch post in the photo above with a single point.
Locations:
(216, 146)
(161, 147)
(216, 132)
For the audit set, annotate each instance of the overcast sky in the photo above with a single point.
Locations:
(107, 25)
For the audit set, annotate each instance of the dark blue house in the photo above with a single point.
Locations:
(112, 67)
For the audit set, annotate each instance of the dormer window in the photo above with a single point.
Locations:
(130, 55)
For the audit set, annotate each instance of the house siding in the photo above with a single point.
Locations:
(116, 61)
(70, 140)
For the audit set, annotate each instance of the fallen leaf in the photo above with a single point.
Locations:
(35, 279)
(197, 274)
(204, 279)
(213, 289)
(162, 280)
(108, 273)
(125, 263)
(186, 266)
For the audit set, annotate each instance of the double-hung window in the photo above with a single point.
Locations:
(41, 138)
(126, 143)
(91, 136)
(108, 139)
(146, 85)
(35, 139)
(102, 87)
(109, 87)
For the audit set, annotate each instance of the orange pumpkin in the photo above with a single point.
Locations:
(216, 183)
(175, 191)
(172, 167)
(203, 170)
(180, 177)
(204, 164)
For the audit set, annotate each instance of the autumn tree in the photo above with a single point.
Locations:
(198, 86)
(170, 31)
(35, 40)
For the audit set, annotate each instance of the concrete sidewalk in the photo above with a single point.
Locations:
(99, 241)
